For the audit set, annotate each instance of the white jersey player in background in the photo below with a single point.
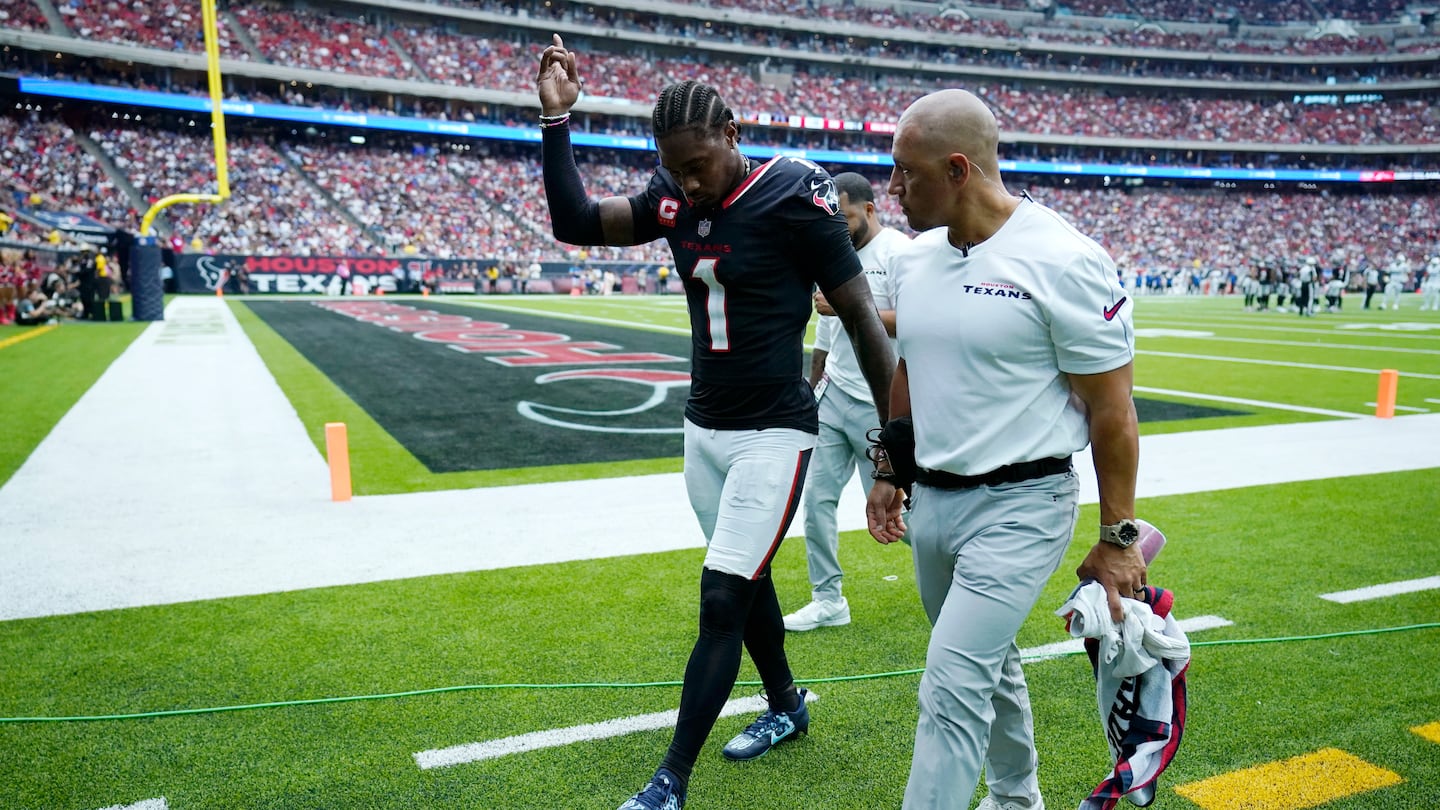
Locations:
(847, 411)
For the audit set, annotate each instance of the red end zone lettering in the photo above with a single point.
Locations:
(482, 339)
(575, 354)
(528, 347)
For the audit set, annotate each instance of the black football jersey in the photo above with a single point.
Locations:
(749, 266)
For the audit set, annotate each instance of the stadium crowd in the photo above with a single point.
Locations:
(167, 25)
(320, 40)
(23, 15)
(338, 40)
(317, 197)
(308, 194)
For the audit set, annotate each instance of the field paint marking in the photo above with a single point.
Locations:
(1301, 343)
(1045, 652)
(1309, 780)
(1185, 356)
(23, 336)
(1338, 330)
(1279, 406)
(148, 804)
(1430, 731)
(1382, 591)
(1432, 401)
(1410, 408)
(568, 316)
(535, 740)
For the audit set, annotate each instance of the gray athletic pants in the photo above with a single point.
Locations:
(844, 421)
(982, 556)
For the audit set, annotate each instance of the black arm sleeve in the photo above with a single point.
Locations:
(574, 217)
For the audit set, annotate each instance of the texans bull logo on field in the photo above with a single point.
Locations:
(659, 381)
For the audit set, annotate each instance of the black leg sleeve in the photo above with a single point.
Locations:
(574, 217)
(765, 640)
(725, 601)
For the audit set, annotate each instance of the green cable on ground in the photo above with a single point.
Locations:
(649, 684)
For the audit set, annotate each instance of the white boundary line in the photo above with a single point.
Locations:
(1279, 406)
(148, 804)
(1263, 342)
(553, 738)
(1401, 407)
(1382, 591)
(1045, 652)
(1361, 328)
(1250, 361)
(535, 740)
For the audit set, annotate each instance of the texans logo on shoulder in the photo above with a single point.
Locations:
(824, 195)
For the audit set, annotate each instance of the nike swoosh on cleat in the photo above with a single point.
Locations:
(1115, 310)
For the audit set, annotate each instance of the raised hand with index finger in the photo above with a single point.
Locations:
(557, 80)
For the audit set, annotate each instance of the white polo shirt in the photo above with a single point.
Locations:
(986, 337)
(841, 366)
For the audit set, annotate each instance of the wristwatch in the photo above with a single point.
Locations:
(1122, 534)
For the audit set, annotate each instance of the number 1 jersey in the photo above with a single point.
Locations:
(749, 266)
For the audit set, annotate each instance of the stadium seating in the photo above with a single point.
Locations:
(325, 41)
(164, 24)
(316, 193)
(23, 15)
(41, 159)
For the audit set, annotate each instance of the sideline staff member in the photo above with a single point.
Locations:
(1015, 352)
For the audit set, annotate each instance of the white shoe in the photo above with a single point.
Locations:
(819, 614)
(989, 803)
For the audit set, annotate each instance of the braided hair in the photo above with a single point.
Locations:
(689, 104)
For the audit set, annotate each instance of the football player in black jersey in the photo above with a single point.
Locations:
(751, 241)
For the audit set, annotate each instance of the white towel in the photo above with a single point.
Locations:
(1139, 684)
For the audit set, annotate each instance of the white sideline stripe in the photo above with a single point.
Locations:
(1282, 363)
(1402, 407)
(148, 804)
(1349, 329)
(1339, 346)
(1258, 403)
(535, 740)
(1435, 401)
(1382, 591)
(1045, 652)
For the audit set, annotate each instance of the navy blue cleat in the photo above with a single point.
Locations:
(663, 793)
(769, 730)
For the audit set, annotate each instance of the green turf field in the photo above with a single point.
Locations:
(580, 637)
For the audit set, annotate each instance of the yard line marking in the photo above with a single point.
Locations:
(1045, 652)
(1410, 408)
(475, 752)
(1355, 330)
(1430, 731)
(1309, 780)
(1185, 356)
(1279, 406)
(148, 804)
(1382, 591)
(23, 336)
(1432, 401)
(1305, 344)
(536, 740)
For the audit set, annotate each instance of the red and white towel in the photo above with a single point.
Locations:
(1139, 670)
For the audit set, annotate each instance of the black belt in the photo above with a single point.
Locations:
(1009, 474)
